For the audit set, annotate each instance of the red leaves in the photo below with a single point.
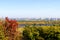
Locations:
(10, 25)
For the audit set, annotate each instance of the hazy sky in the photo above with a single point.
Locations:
(30, 8)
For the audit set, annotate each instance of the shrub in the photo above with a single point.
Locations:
(1, 32)
(41, 33)
(10, 27)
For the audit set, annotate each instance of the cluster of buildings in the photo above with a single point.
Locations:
(32, 19)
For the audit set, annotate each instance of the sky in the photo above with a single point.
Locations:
(30, 8)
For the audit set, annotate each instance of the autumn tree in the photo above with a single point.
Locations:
(10, 27)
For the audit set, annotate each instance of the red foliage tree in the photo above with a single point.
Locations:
(10, 27)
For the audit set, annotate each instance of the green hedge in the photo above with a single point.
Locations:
(41, 33)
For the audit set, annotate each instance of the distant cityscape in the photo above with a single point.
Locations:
(32, 19)
(35, 19)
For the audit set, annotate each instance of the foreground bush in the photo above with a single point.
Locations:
(1, 32)
(41, 33)
(10, 27)
(8, 30)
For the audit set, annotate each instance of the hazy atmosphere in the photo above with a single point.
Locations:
(29, 19)
(30, 8)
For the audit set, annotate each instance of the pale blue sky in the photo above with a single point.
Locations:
(30, 8)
